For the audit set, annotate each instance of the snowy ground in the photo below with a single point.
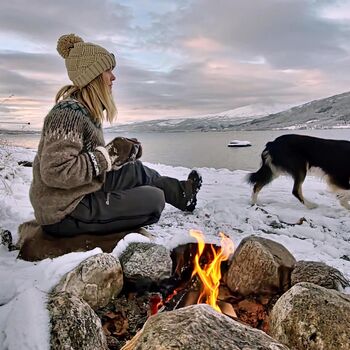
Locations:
(321, 234)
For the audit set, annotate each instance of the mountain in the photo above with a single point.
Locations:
(330, 112)
(227, 120)
(326, 113)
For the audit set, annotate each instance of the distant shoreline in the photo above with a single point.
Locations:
(16, 132)
(116, 130)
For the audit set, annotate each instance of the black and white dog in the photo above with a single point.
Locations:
(295, 155)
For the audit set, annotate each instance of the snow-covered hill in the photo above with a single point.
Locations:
(330, 112)
(227, 120)
(248, 112)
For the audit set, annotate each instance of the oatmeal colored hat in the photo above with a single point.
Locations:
(84, 61)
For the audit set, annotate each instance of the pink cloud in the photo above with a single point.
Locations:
(202, 44)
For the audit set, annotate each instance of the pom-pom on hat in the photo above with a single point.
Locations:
(84, 61)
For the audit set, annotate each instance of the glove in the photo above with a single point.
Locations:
(122, 150)
(137, 149)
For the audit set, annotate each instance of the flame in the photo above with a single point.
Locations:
(210, 274)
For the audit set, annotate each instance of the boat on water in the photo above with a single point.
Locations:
(238, 143)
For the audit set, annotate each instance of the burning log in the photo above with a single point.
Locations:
(227, 309)
(191, 298)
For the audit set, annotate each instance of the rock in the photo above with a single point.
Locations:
(310, 317)
(35, 245)
(260, 266)
(200, 327)
(319, 273)
(74, 325)
(146, 262)
(96, 280)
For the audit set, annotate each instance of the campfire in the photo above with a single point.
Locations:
(204, 283)
(198, 277)
(199, 295)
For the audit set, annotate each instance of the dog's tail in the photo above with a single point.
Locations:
(264, 175)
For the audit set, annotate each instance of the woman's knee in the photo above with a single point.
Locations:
(159, 200)
(156, 200)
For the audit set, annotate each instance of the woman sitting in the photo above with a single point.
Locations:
(80, 185)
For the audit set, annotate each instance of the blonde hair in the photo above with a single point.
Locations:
(95, 96)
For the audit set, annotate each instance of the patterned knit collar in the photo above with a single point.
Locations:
(84, 110)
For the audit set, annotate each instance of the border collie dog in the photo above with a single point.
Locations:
(295, 155)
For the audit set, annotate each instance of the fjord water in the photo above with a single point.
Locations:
(200, 149)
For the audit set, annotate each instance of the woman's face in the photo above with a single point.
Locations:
(108, 78)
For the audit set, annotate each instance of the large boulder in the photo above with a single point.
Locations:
(142, 261)
(260, 266)
(319, 273)
(96, 280)
(200, 327)
(310, 317)
(34, 244)
(74, 325)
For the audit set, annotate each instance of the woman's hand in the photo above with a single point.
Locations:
(123, 150)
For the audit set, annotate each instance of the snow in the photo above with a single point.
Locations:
(321, 234)
(227, 120)
(171, 122)
(18, 331)
(257, 110)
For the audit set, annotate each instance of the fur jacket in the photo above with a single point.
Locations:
(71, 162)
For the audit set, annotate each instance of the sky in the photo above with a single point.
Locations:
(177, 58)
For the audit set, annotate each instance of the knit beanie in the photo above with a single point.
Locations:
(84, 61)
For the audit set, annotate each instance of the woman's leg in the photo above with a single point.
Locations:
(131, 197)
(180, 194)
(125, 210)
(128, 176)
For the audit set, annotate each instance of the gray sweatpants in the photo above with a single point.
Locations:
(131, 197)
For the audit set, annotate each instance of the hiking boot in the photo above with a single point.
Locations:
(196, 182)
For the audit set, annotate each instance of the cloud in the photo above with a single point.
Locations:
(187, 57)
(229, 53)
(17, 84)
(208, 86)
(289, 33)
(43, 22)
(31, 62)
